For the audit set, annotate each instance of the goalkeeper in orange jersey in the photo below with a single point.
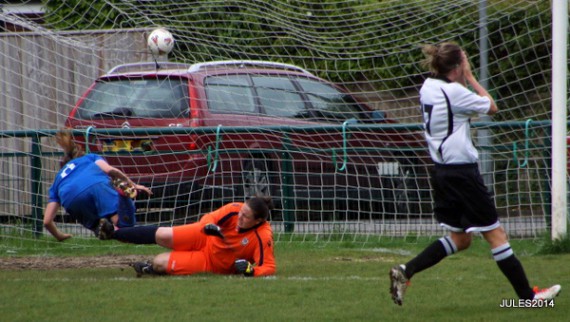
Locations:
(234, 239)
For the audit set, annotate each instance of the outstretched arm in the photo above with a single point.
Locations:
(263, 257)
(49, 224)
(118, 174)
(268, 266)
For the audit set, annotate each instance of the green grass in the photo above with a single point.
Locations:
(315, 282)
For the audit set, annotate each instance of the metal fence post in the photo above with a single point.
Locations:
(287, 184)
(36, 173)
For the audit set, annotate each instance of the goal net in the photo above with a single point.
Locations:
(335, 170)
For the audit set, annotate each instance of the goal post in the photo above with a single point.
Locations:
(559, 119)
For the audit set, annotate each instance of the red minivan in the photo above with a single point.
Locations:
(248, 128)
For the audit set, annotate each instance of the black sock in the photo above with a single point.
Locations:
(430, 256)
(513, 270)
(136, 235)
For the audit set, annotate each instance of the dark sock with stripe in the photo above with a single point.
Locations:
(136, 235)
(513, 270)
(430, 256)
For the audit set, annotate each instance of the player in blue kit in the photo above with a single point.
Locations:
(84, 188)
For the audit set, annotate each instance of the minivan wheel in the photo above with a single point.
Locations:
(256, 178)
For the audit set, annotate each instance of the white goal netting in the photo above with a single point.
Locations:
(341, 175)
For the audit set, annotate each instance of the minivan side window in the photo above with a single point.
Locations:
(231, 93)
(278, 96)
(330, 104)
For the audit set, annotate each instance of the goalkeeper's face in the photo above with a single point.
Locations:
(246, 219)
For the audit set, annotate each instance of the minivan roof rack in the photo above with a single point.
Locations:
(242, 63)
(146, 66)
(151, 66)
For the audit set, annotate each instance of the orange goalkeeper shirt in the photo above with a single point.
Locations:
(254, 244)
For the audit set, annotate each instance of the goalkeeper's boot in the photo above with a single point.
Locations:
(143, 268)
(105, 229)
(547, 293)
(398, 284)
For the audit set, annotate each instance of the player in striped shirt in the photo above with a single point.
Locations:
(462, 203)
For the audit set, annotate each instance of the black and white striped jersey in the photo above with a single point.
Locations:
(447, 108)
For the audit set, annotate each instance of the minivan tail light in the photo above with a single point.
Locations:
(192, 145)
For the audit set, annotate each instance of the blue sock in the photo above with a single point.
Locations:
(126, 212)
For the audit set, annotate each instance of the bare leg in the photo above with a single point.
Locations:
(160, 262)
(462, 240)
(496, 237)
(164, 237)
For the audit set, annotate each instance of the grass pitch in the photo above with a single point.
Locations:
(315, 282)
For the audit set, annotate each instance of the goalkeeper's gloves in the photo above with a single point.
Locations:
(213, 230)
(243, 267)
(124, 188)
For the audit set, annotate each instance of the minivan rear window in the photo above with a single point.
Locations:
(136, 98)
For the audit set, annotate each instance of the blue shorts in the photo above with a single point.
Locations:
(101, 201)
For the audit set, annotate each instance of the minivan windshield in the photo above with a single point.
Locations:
(136, 98)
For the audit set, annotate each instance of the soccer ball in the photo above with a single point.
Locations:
(160, 42)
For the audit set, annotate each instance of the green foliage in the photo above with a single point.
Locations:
(552, 247)
(389, 49)
(80, 14)
(522, 39)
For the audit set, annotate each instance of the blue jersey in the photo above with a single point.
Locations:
(75, 177)
(86, 193)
